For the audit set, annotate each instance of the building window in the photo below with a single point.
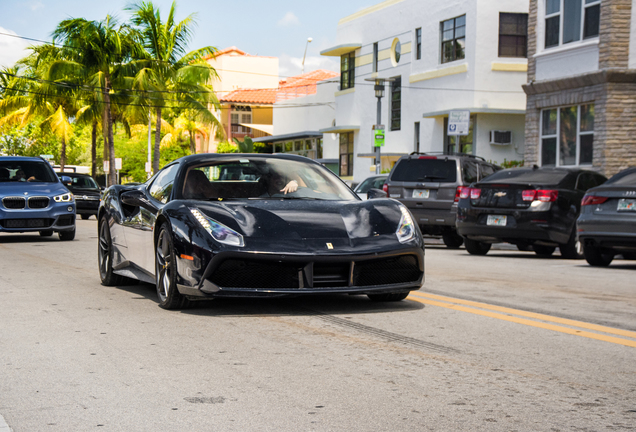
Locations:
(241, 114)
(567, 136)
(571, 20)
(453, 39)
(418, 43)
(513, 35)
(396, 103)
(459, 143)
(375, 57)
(347, 71)
(346, 154)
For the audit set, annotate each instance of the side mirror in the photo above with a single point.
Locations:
(66, 180)
(137, 198)
(376, 193)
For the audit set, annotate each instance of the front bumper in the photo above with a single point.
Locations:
(241, 274)
(57, 217)
(88, 205)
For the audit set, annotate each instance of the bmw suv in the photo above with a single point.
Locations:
(430, 185)
(33, 199)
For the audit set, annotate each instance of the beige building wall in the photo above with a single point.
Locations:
(243, 71)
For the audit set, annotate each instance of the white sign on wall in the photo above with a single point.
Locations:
(458, 122)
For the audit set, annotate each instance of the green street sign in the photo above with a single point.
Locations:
(378, 135)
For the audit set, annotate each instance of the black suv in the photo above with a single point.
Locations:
(429, 185)
(87, 193)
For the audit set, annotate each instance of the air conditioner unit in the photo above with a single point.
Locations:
(500, 137)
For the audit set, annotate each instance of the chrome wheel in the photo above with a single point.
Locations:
(104, 250)
(166, 272)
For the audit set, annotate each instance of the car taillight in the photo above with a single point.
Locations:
(385, 188)
(547, 195)
(528, 195)
(462, 192)
(593, 200)
(475, 193)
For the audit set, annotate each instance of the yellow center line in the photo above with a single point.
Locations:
(565, 321)
(527, 322)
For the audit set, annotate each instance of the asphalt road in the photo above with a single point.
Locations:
(504, 342)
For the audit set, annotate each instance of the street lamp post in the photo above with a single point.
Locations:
(304, 55)
(379, 93)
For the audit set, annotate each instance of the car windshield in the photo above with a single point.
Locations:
(524, 175)
(425, 170)
(83, 182)
(26, 171)
(264, 178)
(371, 183)
(625, 178)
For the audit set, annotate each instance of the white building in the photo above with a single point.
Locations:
(443, 56)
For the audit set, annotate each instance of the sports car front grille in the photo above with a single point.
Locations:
(265, 274)
(14, 202)
(26, 223)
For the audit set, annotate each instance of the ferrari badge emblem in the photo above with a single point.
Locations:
(329, 246)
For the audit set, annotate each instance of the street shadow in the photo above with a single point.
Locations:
(8, 238)
(281, 306)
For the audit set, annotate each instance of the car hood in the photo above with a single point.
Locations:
(85, 191)
(31, 189)
(307, 219)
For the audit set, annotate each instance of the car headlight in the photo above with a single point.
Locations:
(218, 231)
(406, 227)
(67, 197)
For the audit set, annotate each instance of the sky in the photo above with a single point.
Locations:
(278, 28)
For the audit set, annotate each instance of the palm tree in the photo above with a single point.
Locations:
(187, 127)
(171, 76)
(97, 52)
(37, 96)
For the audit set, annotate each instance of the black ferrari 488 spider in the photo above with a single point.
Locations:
(214, 225)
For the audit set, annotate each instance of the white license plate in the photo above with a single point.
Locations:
(627, 205)
(421, 193)
(495, 220)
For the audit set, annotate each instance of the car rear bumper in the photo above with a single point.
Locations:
(528, 227)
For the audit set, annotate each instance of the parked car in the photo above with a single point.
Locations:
(429, 186)
(87, 193)
(34, 199)
(372, 182)
(219, 225)
(529, 207)
(607, 224)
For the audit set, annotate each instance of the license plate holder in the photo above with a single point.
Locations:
(626, 205)
(421, 193)
(496, 220)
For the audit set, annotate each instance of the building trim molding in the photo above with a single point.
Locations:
(509, 67)
(614, 75)
(453, 70)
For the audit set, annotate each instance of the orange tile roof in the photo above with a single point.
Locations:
(232, 50)
(251, 96)
(289, 88)
(302, 85)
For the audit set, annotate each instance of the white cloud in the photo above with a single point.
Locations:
(290, 19)
(12, 49)
(292, 66)
(35, 5)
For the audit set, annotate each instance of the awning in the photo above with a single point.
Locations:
(339, 50)
(268, 129)
(289, 137)
(444, 113)
(339, 129)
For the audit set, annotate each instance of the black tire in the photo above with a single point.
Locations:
(452, 240)
(389, 297)
(544, 251)
(476, 247)
(105, 256)
(67, 235)
(46, 233)
(85, 216)
(595, 257)
(629, 255)
(523, 247)
(573, 249)
(166, 272)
